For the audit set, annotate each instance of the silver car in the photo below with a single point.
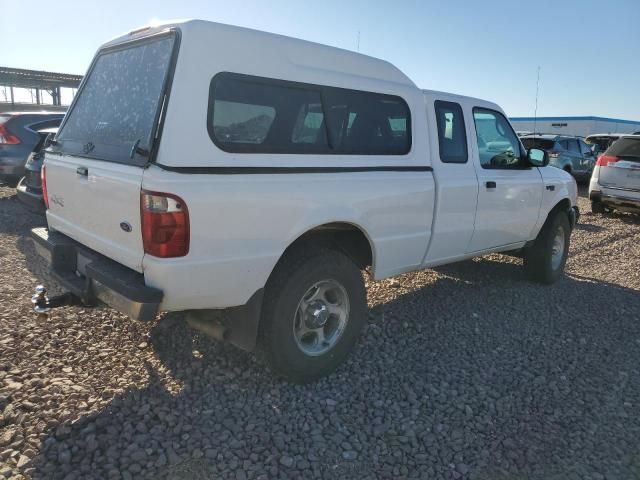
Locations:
(615, 182)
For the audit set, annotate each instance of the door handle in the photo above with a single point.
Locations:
(551, 188)
(490, 184)
(83, 171)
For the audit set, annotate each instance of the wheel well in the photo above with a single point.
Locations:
(567, 168)
(346, 237)
(563, 205)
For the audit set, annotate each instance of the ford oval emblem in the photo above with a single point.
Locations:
(126, 226)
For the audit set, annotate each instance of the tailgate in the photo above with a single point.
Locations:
(94, 168)
(621, 165)
(621, 174)
(98, 204)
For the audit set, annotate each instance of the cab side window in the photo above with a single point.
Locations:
(498, 145)
(452, 136)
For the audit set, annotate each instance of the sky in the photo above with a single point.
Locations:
(588, 51)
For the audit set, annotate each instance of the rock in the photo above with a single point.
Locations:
(28, 406)
(161, 461)
(64, 456)
(23, 461)
(286, 460)
(172, 457)
(6, 437)
(330, 402)
(138, 455)
(141, 427)
(350, 455)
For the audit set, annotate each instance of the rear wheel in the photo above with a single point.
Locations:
(315, 307)
(545, 260)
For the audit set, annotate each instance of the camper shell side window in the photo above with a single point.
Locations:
(249, 114)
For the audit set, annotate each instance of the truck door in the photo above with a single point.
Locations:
(510, 194)
(456, 184)
(577, 163)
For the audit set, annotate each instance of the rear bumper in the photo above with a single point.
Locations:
(93, 277)
(617, 200)
(32, 198)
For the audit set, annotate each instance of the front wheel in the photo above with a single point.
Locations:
(315, 307)
(546, 258)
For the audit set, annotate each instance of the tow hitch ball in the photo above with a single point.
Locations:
(42, 303)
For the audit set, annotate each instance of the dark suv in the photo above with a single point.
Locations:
(19, 135)
(569, 153)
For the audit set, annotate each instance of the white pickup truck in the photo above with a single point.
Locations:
(248, 179)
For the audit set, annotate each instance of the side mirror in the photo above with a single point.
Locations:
(537, 157)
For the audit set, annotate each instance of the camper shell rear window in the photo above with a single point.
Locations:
(115, 114)
(249, 114)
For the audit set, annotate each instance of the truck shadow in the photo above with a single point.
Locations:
(536, 364)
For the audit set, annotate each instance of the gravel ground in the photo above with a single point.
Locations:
(466, 371)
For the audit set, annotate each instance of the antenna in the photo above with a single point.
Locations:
(358, 43)
(535, 113)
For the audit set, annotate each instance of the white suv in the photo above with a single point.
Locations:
(615, 182)
(250, 185)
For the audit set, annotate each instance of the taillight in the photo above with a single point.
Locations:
(6, 137)
(553, 154)
(43, 178)
(165, 224)
(604, 160)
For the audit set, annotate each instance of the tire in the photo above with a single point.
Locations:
(541, 263)
(597, 207)
(314, 275)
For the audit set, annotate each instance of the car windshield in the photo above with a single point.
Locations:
(116, 108)
(541, 143)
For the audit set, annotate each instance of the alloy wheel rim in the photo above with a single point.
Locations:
(321, 317)
(557, 249)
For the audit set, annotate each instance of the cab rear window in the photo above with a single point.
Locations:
(115, 113)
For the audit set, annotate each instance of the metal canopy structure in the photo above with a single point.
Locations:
(38, 81)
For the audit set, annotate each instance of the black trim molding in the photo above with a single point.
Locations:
(288, 170)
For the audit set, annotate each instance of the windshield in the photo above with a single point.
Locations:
(541, 143)
(117, 106)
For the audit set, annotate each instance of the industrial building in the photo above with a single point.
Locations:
(580, 126)
(33, 90)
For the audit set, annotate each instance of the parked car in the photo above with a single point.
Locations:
(29, 189)
(568, 153)
(304, 165)
(19, 136)
(615, 183)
